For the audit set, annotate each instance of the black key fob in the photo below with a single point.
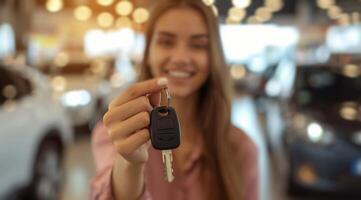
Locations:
(164, 128)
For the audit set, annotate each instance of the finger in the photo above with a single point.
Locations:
(155, 98)
(124, 129)
(132, 143)
(140, 89)
(127, 110)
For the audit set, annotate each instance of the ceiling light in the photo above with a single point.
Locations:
(82, 13)
(264, 13)
(325, 4)
(105, 19)
(274, 5)
(124, 8)
(140, 15)
(236, 14)
(105, 2)
(334, 12)
(54, 5)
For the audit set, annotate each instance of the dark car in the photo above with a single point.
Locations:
(323, 131)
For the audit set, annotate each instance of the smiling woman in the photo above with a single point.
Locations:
(180, 54)
(215, 160)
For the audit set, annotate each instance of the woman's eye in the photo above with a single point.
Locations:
(199, 46)
(165, 43)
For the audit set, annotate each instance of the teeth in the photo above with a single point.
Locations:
(179, 74)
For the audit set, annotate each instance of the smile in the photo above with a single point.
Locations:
(180, 74)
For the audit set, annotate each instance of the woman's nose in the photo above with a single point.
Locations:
(181, 55)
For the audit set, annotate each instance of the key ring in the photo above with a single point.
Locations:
(167, 96)
(164, 111)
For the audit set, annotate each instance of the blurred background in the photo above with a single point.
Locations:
(295, 67)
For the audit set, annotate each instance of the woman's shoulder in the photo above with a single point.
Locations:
(242, 143)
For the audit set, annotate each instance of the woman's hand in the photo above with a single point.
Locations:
(128, 119)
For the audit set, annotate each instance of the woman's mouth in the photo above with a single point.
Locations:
(179, 74)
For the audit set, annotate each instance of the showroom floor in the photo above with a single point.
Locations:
(79, 167)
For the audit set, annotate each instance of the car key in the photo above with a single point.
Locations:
(165, 134)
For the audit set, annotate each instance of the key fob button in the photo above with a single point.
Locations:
(164, 124)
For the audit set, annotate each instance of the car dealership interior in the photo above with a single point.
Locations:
(294, 68)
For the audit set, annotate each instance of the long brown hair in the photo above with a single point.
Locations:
(214, 104)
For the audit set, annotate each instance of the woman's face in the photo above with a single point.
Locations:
(179, 51)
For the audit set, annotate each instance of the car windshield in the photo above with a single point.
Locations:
(324, 85)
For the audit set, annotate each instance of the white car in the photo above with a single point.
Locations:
(34, 134)
(82, 88)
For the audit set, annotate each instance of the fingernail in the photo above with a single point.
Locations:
(150, 108)
(162, 81)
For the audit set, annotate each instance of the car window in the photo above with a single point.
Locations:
(13, 85)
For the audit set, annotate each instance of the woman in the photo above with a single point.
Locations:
(215, 160)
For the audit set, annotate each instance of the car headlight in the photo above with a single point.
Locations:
(76, 98)
(311, 130)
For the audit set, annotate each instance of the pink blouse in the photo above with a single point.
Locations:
(186, 185)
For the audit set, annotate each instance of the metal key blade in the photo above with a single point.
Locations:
(167, 161)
